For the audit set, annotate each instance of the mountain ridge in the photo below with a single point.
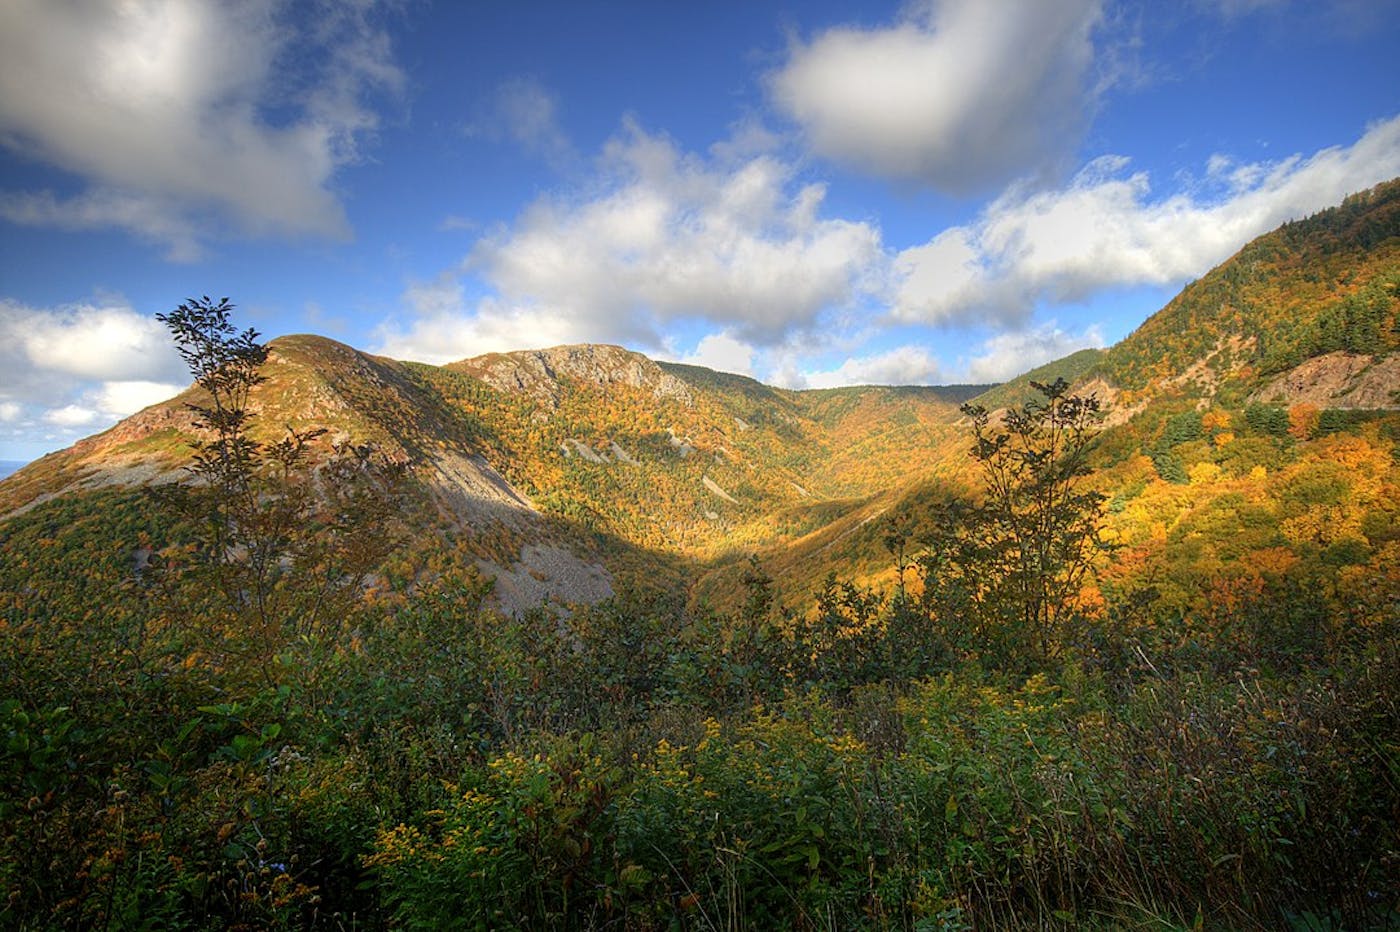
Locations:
(650, 469)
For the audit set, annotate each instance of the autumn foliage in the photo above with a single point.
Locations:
(1131, 673)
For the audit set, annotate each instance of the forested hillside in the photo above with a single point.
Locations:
(573, 639)
(1325, 284)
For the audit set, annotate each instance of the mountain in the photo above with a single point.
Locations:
(664, 467)
(213, 717)
(563, 473)
(574, 472)
(1322, 288)
(1254, 381)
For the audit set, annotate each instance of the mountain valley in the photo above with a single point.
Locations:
(629, 472)
(572, 638)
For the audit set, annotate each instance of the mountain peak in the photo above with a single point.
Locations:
(538, 373)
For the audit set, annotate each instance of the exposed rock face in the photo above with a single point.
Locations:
(547, 573)
(1231, 353)
(714, 487)
(1108, 396)
(469, 488)
(164, 416)
(1338, 380)
(537, 372)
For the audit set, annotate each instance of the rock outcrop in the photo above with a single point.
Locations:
(537, 373)
(1338, 380)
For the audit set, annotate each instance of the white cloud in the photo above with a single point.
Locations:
(1105, 230)
(733, 243)
(904, 365)
(722, 352)
(675, 237)
(443, 328)
(165, 109)
(93, 342)
(81, 367)
(70, 416)
(120, 399)
(662, 236)
(1010, 354)
(958, 95)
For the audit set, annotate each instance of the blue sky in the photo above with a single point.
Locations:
(811, 193)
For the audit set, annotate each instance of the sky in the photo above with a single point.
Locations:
(812, 193)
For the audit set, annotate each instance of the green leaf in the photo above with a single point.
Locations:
(634, 876)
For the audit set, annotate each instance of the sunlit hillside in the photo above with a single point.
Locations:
(570, 638)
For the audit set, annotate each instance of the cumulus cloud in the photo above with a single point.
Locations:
(958, 95)
(903, 365)
(70, 416)
(722, 352)
(92, 342)
(82, 366)
(676, 236)
(442, 327)
(1106, 229)
(173, 111)
(661, 236)
(119, 399)
(732, 245)
(1007, 355)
